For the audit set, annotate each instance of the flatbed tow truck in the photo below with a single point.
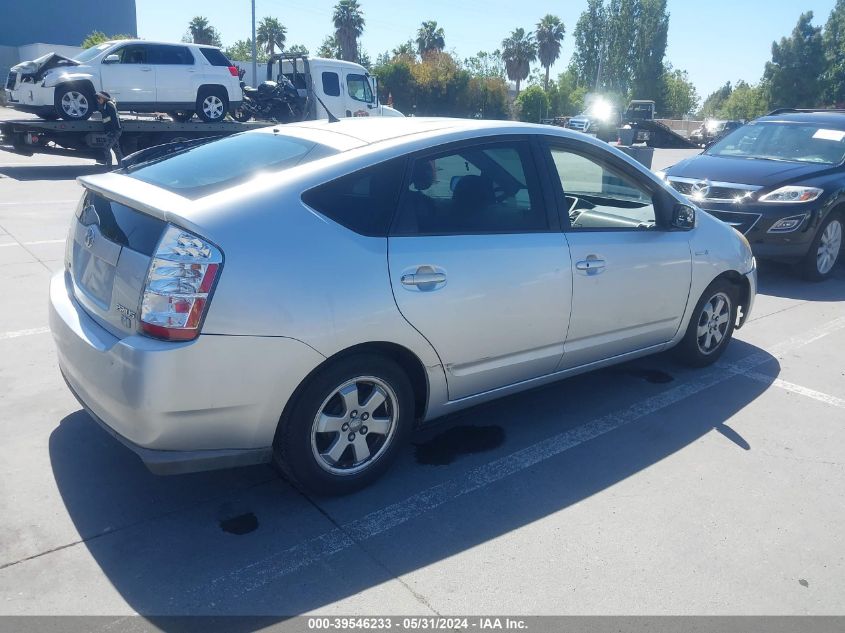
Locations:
(86, 139)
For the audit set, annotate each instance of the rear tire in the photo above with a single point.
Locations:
(74, 102)
(711, 325)
(821, 259)
(346, 426)
(212, 105)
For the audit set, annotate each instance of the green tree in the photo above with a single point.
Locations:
(270, 34)
(622, 32)
(715, 100)
(297, 49)
(329, 48)
(241, 51)
(797, 66)
(349, 26)
(649, 50)
(589, 50)
(201, 32)
(430, 37)
(485, 64)
(532, 104)
(549, 34)
(834, 49)
(745, 102)
(680, 97)
(98, 37)
(405, 49)
(518, 51)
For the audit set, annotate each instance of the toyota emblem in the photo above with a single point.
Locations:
(700, 189)
(89, 237)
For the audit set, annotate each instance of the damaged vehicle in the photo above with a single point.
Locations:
(180, 79)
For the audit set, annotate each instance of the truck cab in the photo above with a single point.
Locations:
(345, 88)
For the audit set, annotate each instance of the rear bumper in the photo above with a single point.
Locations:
(211, 403)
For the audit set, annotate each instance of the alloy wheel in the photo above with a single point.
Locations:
(354, 426)
(829, 245)
(74, 104)
(713, 323)
(212, 106)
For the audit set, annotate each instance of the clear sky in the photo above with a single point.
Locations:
(714, 40)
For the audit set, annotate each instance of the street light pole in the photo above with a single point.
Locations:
(254, 50)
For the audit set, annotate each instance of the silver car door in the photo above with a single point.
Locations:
(631, 277)
(479, 266)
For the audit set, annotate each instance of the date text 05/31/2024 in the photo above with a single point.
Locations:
(416, 624)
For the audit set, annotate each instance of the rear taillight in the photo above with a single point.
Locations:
(233, 70)
(182, 275)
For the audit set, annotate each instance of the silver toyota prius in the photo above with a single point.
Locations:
(307, 294)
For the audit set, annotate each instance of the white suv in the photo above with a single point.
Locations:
(140, 76)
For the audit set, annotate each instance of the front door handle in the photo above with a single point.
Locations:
(146, 70)
(421, 279)
(592, 265)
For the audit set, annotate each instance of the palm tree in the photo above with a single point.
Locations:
(349, 25)
(430, 38)
(201, 32)
(550, 31)
(406, 49)
(270, 33)
(518, 51)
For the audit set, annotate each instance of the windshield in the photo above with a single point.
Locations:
(90, 53)
(205, 169)
(793, 142)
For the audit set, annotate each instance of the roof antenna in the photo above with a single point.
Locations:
(332, 118)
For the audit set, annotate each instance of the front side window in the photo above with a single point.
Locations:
(133, 54)
(599, 196)
(475, 190)
(331, 84)
(359, 88)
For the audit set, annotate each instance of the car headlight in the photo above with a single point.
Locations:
(786, 225)
(793, 194)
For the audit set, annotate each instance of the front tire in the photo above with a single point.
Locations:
(825, 248)
(346, 426)
(74, 103)
(711, 325)
(212, 105)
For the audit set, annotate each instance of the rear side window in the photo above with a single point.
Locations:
(363, 201)
(209, 168)
(215, 57)
(170, 55)
(331, 84)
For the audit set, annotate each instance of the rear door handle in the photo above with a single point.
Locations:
(146, 70)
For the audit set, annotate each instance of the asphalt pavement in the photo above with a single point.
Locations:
(646, 488)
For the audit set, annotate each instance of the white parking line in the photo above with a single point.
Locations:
(33, 243)
(30, 203)
(270, 568)
(19, 333)
(798, 389)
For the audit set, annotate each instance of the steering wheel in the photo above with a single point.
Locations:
(499, 194)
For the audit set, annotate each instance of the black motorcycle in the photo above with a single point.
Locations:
(270, 101)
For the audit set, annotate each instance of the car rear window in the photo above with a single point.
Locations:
(215, 166)
(363, 201)
(215, 57)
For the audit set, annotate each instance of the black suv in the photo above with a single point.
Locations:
(780, 180)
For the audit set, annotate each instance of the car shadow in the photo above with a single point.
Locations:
(783, 280)
(51, 172)
(242, 542)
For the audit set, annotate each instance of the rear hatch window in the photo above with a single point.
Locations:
(206, 169)
(109, 251)
(215, 57)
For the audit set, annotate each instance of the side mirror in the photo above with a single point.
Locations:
(112, 59)
(683, 217)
